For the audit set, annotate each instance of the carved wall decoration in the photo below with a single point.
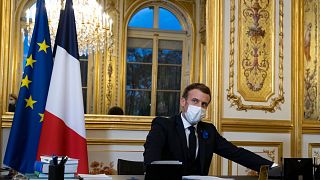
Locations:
(256, 45)
(202, 30)
(310, 58)
(248, 172)
(110, 72)
(317, 156)
(105, 76)
(314, 152)
(269, 150)
(270, 154)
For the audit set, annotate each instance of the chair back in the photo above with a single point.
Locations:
(126, 167)
(298, 168)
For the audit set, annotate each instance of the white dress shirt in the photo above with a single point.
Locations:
(186, 124)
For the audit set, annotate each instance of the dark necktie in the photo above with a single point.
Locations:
(192, 143)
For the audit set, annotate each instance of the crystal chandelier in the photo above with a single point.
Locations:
(94, 25)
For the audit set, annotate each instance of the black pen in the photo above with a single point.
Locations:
(55, 160)
(65, 160)
(61, 162)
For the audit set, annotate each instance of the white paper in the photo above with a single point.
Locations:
(204, 178)
(166, 162)
(95, 176)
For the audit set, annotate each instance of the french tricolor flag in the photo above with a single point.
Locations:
(63, 130)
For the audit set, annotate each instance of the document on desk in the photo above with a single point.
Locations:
(95, 176)
(204, 178)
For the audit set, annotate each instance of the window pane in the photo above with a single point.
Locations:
(169, 77)
(170, 56)
(138, 103)
(139, 50)
(84, 70)
(139, 42)
(169, 68)
(142, 19)
(25, 48)
(168, 21)
(167, 103)
(138, 76)
(139, 55)
(170, 52)
(84, 94)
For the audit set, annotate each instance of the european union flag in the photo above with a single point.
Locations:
(23, 141)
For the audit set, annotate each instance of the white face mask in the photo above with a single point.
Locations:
(194, 114)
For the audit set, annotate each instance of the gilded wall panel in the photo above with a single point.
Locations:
(103, 154)
(269, 150)
(256, 47)
(314, 152)
(127, 4)
(254, 37)
(189, 6)
(310, 58)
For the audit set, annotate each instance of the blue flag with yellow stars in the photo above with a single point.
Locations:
(24, 136)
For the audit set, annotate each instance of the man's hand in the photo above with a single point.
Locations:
(275, 172)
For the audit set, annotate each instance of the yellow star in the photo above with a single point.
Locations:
(30, 61)
(41, 115)
(25, 81)
(30, 102)
(43, 46)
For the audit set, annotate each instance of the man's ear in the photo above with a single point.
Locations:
(182, 101)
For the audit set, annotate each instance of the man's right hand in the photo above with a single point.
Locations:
(275, 172)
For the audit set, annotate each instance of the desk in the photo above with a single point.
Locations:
(141, 177)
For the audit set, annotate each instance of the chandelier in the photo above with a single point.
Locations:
(94, 25)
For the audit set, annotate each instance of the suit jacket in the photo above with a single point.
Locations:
(167, 141)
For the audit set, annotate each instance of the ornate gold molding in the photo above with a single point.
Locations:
(237, 100)
(310, 153)
(270, 154)
(102, 122)
(6, 28)
(312, 127)
(260, 126)
(214, 24)
(203, 26)
(111, 122)
(297, 79)
(95, 122)
(310, 59)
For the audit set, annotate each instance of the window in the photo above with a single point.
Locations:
(154, 61)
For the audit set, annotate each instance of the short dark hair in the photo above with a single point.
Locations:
(115, 110)
(202, 87)
(13, 96)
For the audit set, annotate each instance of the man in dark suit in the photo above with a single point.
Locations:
(184, 137)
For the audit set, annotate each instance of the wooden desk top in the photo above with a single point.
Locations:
(141, 177)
